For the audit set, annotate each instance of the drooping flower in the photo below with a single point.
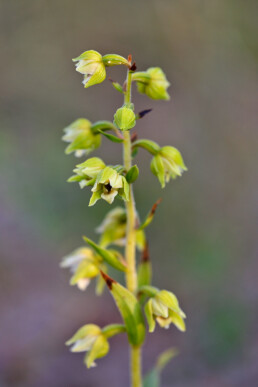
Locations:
(91, 65)
(167, 163)
(84, 265)
(90, 339)
(108, 184)
(81, 138)
(153, 83)
(87, 172)
(164, 309)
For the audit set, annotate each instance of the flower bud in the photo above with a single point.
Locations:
(132, 174)
(124, 118)
(153, 83)
(87, 172)
(109, 183)
(91, 65)
(81, 138)
(168, 163)
(164, 308)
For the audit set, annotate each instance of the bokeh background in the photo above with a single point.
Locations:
(203, 240)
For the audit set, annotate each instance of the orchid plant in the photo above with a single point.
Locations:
(121, 226)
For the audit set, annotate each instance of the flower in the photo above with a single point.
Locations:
(108, 184)
(153, 83)
(90, 339)
(87, 172)
(167, 163)
(113, 229)
(81, 138)
(91, 65)
(84, 264)
(164, 308)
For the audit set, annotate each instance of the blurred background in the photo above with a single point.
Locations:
(203, 239)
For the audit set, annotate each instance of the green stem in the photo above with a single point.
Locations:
(131, 274)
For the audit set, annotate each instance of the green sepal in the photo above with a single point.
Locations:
(85, 330)
(149, 315)
(114, 60)
(130, 310)
(152, 379)
(132, 174)
(85, 269)
(111, 137)
(99, 349)
(107, 256)
(124, 118)
(157, 168)
(113, 329)
(151, 146)
(150, 215)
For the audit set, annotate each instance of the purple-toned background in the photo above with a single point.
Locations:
(203, 240)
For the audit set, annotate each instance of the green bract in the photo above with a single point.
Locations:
(124, 118)
(81, 138)
(109, 183)
(168, 163)
(164, 308)
(130, 310)
(153, 83)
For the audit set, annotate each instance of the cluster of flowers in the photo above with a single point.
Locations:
(108, 182)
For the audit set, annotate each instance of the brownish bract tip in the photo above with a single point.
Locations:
(145, 254)
(109, 280)
(155, 205)
(133, 67)
(129, 58)
(134, 137)
(144, 112)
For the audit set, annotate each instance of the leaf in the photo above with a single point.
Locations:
(111, 137)
(152, 379)
(107, 256)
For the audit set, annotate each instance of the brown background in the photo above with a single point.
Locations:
(203, 238)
